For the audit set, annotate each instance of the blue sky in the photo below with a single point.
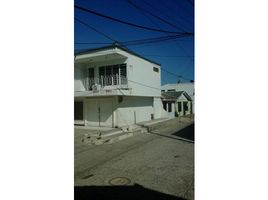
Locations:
(175, 56)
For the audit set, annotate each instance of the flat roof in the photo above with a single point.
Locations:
(115, 45)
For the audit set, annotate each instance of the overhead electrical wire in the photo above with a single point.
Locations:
(166, 15)
(155, 16)
(124, 22)
(135, 42)
(143, 13)
(92, 28)
(140, 42)
(140, 9)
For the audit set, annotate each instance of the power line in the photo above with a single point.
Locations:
(187, 12)
(168, 56)
(153, 15)
(176, 75)
(123, 22)
(144, 85)
(163, 14)
(143, 13)
(146, 11)
(154, 40)
(145, 41)
(186, 66)
(92, 28)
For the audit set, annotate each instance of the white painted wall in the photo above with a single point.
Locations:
(78, 77)
(141, 75)
(91, 115)
(144, 84)
(187, 87)
(142, 107)
(139, 72)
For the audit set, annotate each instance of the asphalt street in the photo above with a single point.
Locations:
(156, 165)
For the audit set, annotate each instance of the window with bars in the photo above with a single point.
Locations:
(111, 74)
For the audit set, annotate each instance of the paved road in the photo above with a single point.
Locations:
(159, 165)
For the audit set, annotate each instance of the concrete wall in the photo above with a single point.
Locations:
(141, 75)
(78, 77)
(133, 110)
(143, 80)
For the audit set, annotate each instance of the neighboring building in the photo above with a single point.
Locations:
(179, 102)
(187, 87)
(115, 87)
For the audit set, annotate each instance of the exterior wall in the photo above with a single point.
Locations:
(78, 77)
(183, 99)
(99, 111)
(187, 87)
(141, 75)
(140, 72)
(81, 71)
(173, 107)
(133, 110)
(158, 108)
(143, 100)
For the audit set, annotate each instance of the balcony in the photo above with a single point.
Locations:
(105, 83)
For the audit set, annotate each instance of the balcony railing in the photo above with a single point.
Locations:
(98, 83)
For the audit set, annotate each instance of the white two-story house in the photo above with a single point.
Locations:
(116, 87)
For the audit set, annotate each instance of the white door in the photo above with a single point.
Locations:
(99, 112)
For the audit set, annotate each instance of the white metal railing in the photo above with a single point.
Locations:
(97, 83)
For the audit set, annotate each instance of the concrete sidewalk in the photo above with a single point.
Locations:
(105, 135)
(183, 121)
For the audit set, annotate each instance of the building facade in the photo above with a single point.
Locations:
(116, 87)
(177, 102)
(187, 87)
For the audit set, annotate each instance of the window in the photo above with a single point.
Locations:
(162, 90)
(109, 75)
(78, 110)
(116, 71)
(156, 69)
(123, 70)
(101, 71)
(171, 90)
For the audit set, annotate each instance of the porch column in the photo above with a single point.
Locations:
(173, 107)
(189, 107)
(167, 106)
(182, 110)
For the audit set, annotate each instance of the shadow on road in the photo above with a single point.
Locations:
(186, 133)
(119, 193)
